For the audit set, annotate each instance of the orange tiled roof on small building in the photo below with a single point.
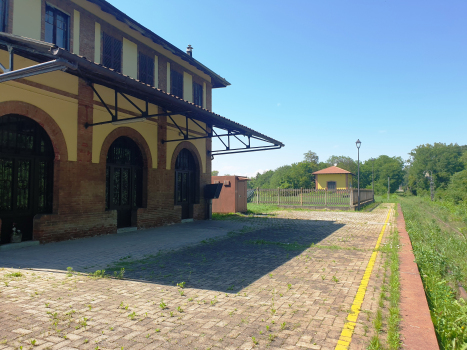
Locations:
(332, 170)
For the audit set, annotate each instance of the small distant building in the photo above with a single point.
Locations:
(233, 197)
(333, 178)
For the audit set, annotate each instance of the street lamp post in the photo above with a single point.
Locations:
(358, 143)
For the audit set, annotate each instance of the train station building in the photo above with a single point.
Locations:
(104, 125)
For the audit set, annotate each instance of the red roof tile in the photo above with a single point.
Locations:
(332, 170)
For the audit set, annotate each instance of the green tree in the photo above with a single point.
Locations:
(343, 162)
(261, 180)
(384, 167)
(300, 175)
(457, 188)
(440, 159)
(215, 173)
(280, 177)
(311, 157)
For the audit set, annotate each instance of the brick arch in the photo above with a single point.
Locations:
(45, 121)
(194, 151)
(189, 146)
(132, 134)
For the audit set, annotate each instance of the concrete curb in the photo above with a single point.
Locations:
(417, 331)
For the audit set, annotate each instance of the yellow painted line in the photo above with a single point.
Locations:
(346, 335)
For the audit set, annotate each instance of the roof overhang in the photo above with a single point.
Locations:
(45, 53)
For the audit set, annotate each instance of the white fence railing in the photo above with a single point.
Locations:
(310, 197)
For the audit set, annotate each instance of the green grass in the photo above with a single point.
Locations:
(261, 208)
(441, 255)
(393, 198)
(14, 274)
(393, 321)
(253, 209)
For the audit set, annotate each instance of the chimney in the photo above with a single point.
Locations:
(189, 51)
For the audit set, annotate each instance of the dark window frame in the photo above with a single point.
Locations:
(176, 83)
(124, 154)
(3, 15)
(112, 59)
(67, 33)
(146, 69)
(24, 140)
(331, 182)
(198, 94)
(186, 179)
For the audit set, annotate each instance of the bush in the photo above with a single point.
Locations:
(457, 188)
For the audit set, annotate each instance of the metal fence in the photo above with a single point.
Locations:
(310, 197)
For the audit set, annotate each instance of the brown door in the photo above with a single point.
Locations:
(123, 180)
(241, 196)
(186, 186)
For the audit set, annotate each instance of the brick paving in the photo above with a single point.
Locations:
(96, 252)
(285, 282)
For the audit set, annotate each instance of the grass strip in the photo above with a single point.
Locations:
(441, 256)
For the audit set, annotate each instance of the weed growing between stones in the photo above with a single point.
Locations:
(388, 314)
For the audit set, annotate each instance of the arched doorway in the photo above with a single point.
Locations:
(124, 178)
(186, 183)
(26, 174)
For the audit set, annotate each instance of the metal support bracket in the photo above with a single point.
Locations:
(114, 115)
(229, 134)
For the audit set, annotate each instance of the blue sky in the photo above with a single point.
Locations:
(317, 75)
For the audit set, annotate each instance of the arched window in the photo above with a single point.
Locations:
(26, 174)
(124, 177)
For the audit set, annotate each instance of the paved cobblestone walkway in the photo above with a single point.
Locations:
(285, 282)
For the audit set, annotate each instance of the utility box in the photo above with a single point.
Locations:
(233, 197)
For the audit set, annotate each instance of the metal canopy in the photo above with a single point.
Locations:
(58, 59)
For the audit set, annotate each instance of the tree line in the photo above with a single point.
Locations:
(298, 175)
(447, 163)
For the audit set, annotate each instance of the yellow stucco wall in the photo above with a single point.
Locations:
(57, 80)
(130, 59)
(172, 134)
(97, 42)
(108, 95)
(96, 10)
(147, 129)
(76, 23)
(181, 122)
(338, 178)
(187, 87)
(27, 18)
(62, 109)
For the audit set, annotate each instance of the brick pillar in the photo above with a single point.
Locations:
(85, 115)
(161, 148)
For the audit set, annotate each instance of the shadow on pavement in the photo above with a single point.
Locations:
(229, 264)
